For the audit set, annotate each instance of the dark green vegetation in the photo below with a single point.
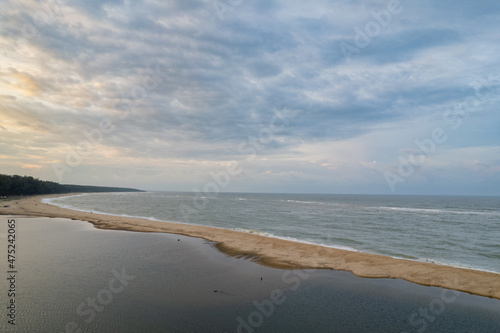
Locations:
(24, 185)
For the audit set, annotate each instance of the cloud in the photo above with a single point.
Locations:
(18, 82)
(184, 88)
(31, 166)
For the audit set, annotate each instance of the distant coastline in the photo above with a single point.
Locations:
(280, 253)
(25, 185)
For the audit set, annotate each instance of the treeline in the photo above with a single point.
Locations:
(25, 185)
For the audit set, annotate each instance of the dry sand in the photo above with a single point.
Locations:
(280, 253)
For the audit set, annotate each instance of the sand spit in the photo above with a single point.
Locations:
(279, 253)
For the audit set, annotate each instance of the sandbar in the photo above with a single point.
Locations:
(279, 253)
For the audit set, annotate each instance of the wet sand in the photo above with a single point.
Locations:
(279, 253)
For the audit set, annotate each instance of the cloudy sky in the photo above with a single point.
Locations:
(315, 96)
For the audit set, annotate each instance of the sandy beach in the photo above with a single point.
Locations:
(279, 253)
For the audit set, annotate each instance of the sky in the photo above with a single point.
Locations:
(374, 97)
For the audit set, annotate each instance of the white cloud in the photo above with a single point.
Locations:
(220, 82)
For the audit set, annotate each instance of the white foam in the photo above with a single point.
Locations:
(454, 264)
(53, 201)
(435, 211)
(50, 201)
(292, 239)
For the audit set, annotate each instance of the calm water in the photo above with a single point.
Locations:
(65, 266)
(451, 230)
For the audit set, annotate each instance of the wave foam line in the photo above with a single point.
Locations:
(267, 234)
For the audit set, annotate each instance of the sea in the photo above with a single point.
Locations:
(460, 231)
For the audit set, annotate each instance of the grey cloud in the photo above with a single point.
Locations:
(406, 45)
(222, 80)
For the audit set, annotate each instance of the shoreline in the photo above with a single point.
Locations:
(278, 253)
(294, 240)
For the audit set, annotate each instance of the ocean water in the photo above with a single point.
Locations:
(458, 231)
